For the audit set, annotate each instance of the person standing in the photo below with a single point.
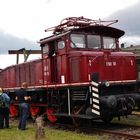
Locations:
(4, 109)
(1, 109)
(23, 98)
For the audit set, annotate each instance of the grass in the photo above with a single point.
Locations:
(57, 134)
(14, 134)
(50, 134)
(131, 120)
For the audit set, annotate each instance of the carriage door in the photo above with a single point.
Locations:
(53, 61)
(49, 63)
(61, 62)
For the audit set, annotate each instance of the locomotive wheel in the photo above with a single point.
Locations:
(49, 112)
(13, 110)
(76, 120)
(34, 111)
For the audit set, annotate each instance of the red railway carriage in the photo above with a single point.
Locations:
(82, 73)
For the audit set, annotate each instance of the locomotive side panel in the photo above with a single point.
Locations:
(32, 73)
(121, 66)
(130, 68)
(2, 78)
(47, 71)
(11, 77)
(5, 78)
(22, 73)
(38, 72)
(94, 65)
(74, 64)
(28, 75)
(62, 69)
(84, 70)
(78, 69)
(17, 72)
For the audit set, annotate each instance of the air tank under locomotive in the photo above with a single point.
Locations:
(82, 73)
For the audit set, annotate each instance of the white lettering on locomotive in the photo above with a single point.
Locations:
(109, 64)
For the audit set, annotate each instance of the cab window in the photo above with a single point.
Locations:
(109, 43)
(94, 41)
(77, 41)
(46, 49)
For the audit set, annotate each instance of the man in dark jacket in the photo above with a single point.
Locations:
(4, 109)
(22, 97)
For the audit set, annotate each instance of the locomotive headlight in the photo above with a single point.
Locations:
(107, 84)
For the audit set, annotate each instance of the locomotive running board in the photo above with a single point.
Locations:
(76, 116)
(94, 100)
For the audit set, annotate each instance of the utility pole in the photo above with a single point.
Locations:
(25, 52)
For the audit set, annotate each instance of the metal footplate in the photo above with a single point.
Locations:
(95, 103)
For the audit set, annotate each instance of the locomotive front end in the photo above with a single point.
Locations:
(112, 72)
(115, 91)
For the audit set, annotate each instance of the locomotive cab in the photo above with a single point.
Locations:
(54, 54)
(100, 56)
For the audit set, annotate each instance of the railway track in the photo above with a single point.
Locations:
(120, 134)
(113, 131)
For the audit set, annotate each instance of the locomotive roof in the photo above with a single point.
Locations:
(101, 30)
(53, 37)
(81, 24)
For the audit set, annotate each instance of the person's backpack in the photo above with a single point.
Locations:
(1, 101)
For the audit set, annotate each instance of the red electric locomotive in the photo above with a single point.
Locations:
(82, 73)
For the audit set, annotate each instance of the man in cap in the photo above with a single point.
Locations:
(23, 98)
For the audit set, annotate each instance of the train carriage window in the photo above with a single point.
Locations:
(61, 44)
(77, 41)
(109, 43)
(94, 41)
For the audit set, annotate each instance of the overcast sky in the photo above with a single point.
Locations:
(22, 22)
